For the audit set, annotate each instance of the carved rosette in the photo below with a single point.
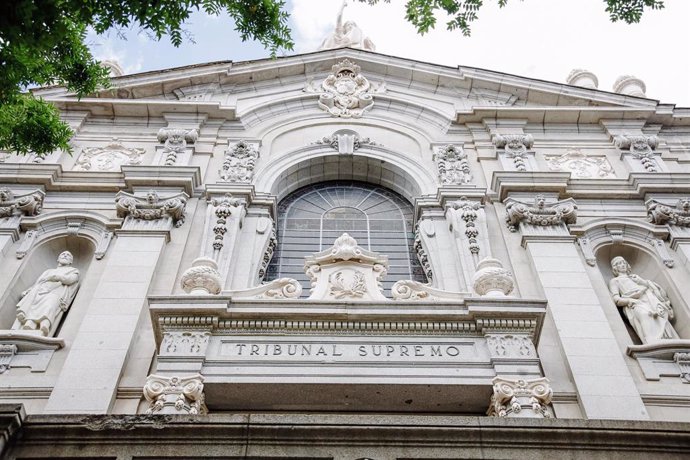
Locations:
(346, 271)
(28, 204)
(492, 280)
(641, 148)
(521, 398)
(175, 142)
(345, 93)
(541, 214)
(452, 165)
(108, 158)
(661, 214)
(202, 278)
(175, 395)
(153, 209)
(239, 163)
(515, 146)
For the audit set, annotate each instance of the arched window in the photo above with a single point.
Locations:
(311, 218)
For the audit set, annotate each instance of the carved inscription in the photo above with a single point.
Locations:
(348, 352)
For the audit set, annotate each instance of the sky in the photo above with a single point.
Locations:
(543, 39)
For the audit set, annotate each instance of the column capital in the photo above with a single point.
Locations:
(520, 398)
(175, 395)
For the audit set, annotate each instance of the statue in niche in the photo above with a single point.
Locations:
(348, 34)
(42, 305)
(645, 303)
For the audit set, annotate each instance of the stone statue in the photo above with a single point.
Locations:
(347, 35)
(42, 305)
(644, 303)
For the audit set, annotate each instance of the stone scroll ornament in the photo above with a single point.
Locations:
(152, 207)
(540, 214)
(239, 163)
(43, 304)
(108, 158)
(515, 146)
(641, 148)
(17, 205)
(453, 167)
(520, 398)
(662, 214)
(345, 93)
(175, 142)
(645, 304)
(175, 395)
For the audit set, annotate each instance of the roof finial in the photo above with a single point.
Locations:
(346, 35)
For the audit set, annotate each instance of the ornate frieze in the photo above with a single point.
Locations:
(641, 148)
(515, 147)
(108, 158)
(580, 165)
(345, 93)
(492, 280)
(345, 141)
(540, 214)
(239, 163)
(175, 395)
(175, 142)
(452, 165)
(510, 346)
(346, 272)
(661, 213)
(28, 204)
(202, 277)
(138, 211)
(185, 343)
(520, 398)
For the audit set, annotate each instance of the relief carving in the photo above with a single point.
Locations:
(345, 141)
(580, 165)
(515, 146)
(661, 214)
(108, 158)
(175, 395)
(345, 93)
(641, 148)
(453, 167)
(511, 346)
(520, 398)
(541, 214)
(150, 208)
(239, 163)
(176, 141)
(185, 343)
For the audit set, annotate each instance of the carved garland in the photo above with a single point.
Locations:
(515, 146)
(176, 142)
(641, 148)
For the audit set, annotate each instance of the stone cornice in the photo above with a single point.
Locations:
(52, 177)
(470, 316)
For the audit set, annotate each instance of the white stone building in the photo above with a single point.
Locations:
(214, 308)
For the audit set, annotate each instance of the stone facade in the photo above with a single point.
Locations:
(504, 304)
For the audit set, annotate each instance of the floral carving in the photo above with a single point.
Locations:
(512, 397)
(468, 212)
(108, 158)
(29, 204)
(345, 92)
(223, 210)
(562, 212)
(641, 148)
(662, 214)
(515, 146)
(176, 141)
(453, 167)
(239, 163)
(152, 207)
(581, 165)
(175, 395)
(422, 255)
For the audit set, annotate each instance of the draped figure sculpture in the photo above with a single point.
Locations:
(42, 305)
(645, 303)
(346, 35)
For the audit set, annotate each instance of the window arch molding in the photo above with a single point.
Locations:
(311, 218)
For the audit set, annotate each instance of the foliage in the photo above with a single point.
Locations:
(422, 13)
(42, 43)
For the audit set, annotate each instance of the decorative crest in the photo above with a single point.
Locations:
(345, 92)
(239, 163)
(108, 158)
(581, 165)
(453, 167)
